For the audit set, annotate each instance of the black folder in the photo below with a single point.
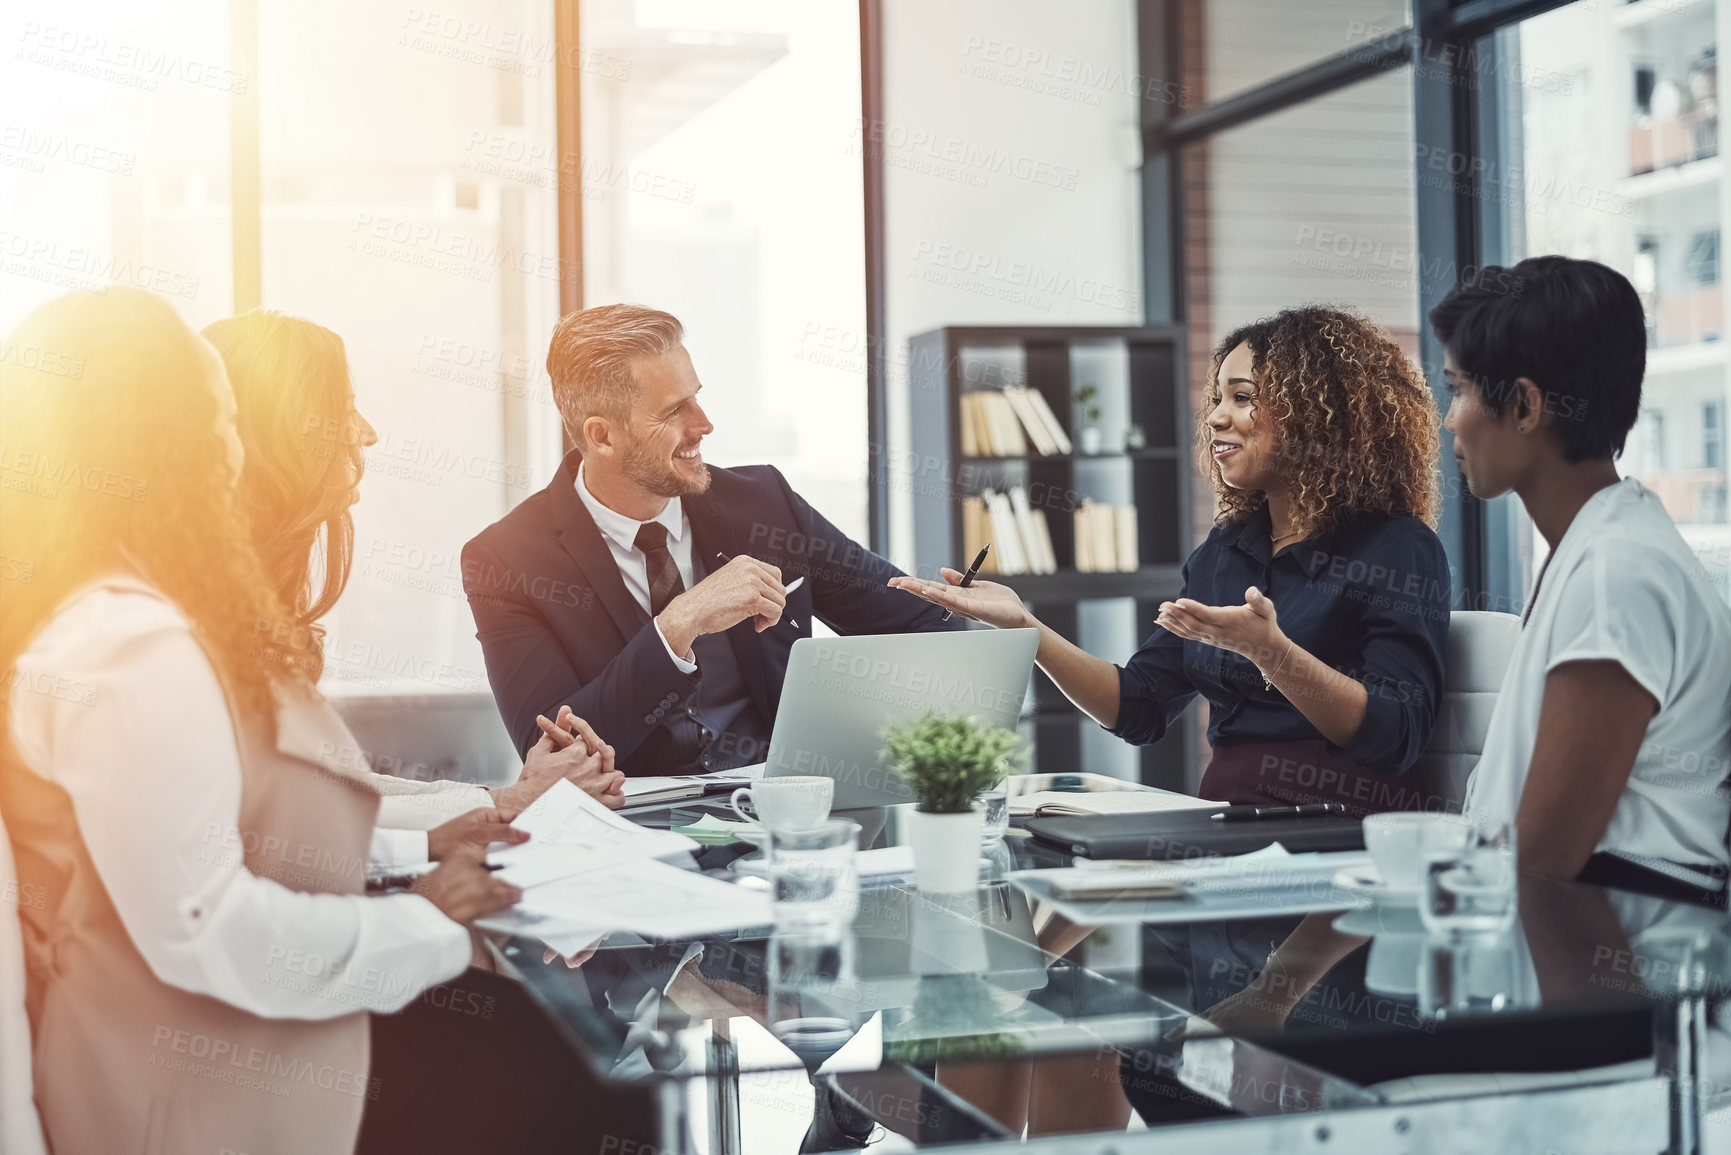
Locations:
(1191, 834)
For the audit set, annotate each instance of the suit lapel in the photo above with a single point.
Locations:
(581, 539)
(712, 534)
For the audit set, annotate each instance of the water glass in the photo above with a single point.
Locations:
(1470, 888)
(996, 806)
(1469, 973)
(814, 992)
(814, 881)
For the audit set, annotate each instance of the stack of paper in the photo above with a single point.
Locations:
(586, 871)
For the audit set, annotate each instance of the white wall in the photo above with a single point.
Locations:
(1011, 189)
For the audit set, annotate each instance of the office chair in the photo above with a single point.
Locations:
(1480, 646)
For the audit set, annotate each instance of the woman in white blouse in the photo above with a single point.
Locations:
(172, 783)
(304, 436)
(1610, 743)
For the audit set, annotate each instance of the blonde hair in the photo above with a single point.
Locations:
(297, 422)
(123, 469)
(589, 361)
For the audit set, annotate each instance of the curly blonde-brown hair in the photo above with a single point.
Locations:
(1356, 422)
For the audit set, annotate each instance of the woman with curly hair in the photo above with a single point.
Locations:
(1320, 438)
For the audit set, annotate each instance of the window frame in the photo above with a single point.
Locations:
(1453, 52)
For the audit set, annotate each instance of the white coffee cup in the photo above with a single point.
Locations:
(1397, 843)
(793, 803)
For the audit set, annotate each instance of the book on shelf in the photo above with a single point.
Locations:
(1050, 420)
(1021, 539)
(1007, 539)
(1004, 427)
(1126, 538)
(1005, 422)
(1105, 537)
(1044, 442)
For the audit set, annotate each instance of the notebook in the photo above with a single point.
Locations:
(1191, 834)
(1046, 803)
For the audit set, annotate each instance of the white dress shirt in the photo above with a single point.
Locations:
(1624, 587)
(408, 809)
(147, 752)
(620, 534)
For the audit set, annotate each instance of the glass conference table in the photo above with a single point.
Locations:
(930, 1022)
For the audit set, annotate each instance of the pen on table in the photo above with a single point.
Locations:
(1256, 813)
(789, 588)
(968, 578)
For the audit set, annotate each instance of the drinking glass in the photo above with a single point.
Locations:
(1469, 973)
(813, 879)
(996, 805)
(814, 992)
(1469, 888)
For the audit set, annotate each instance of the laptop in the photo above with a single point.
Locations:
(840, 693)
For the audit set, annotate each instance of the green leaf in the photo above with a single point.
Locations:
(950, 761)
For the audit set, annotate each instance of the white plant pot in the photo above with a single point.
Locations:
(1090, 439)
(946, 850)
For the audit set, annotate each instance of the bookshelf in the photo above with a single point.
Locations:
(1137, 374)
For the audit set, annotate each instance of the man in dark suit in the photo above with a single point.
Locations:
(654, 595)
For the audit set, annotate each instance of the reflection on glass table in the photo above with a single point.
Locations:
(988, 1015)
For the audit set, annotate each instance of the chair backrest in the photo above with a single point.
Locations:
(1480, 646)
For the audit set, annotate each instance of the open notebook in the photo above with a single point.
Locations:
(651, 790)
(1049, 803)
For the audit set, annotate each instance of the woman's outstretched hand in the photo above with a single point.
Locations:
(989, 602)
(1251, 629)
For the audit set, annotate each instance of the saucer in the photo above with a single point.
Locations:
(1382, 920)
(1367, 881)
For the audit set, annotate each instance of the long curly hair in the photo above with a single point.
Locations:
(1356, 422)
(115, 464)
(303, 457)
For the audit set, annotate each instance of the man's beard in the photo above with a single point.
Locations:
(658, 477)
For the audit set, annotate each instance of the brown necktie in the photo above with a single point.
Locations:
(665, 584)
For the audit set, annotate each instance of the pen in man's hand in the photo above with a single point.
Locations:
(788, 588)
(968, 578)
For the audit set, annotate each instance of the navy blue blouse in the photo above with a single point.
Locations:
(1370, 599)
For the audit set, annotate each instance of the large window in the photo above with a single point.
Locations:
(114, 152)
(1313, 204)
(721, 179)
(387, 171)
(1618, 160)
(410, 185)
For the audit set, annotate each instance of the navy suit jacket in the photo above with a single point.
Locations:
(558, 627)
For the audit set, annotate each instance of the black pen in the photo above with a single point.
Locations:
(968, 578)
(789, 588)
(1256, 813)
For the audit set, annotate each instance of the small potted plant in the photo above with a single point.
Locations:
(948, 763)
(1135, 438)
(1088, 405)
